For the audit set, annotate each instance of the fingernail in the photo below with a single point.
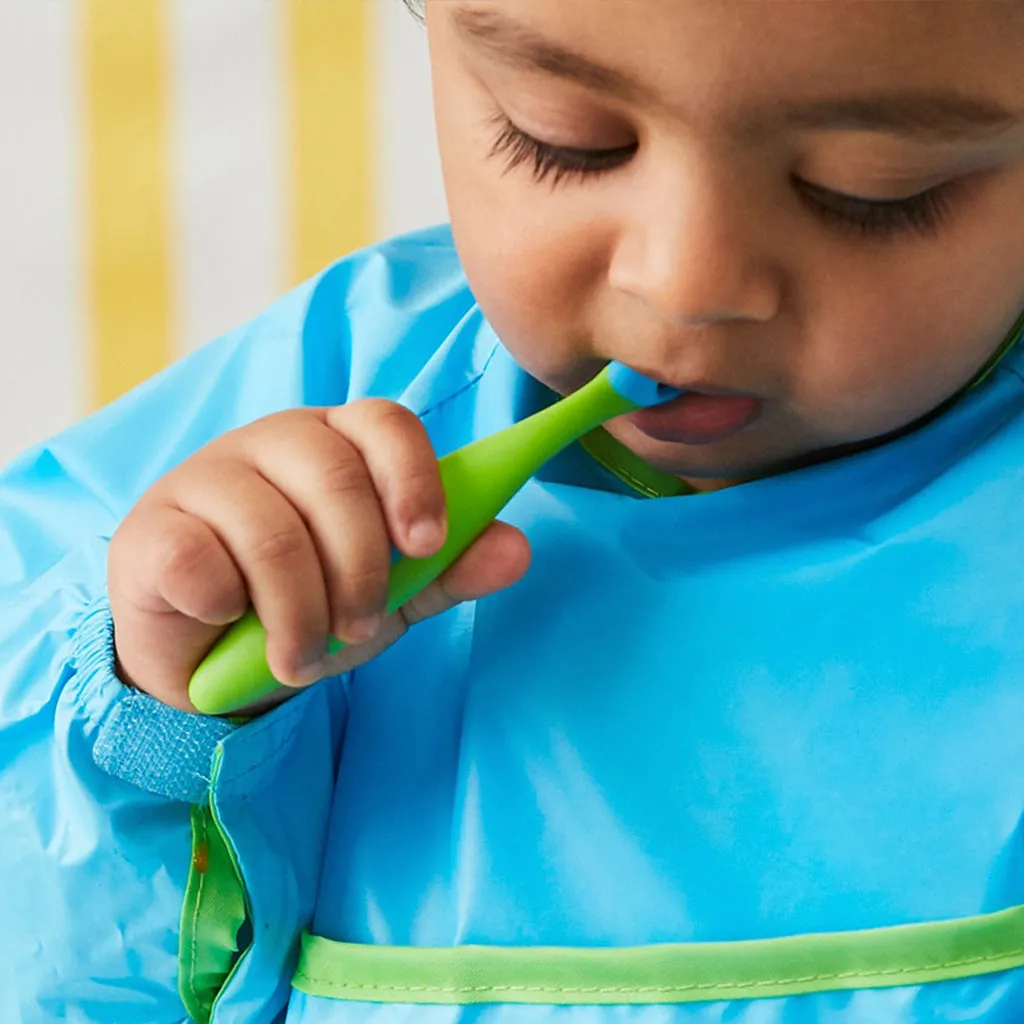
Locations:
(313, 673)
(312, 667)
(426, 534)
(361, 630)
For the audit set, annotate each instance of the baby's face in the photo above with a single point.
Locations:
(818, 206)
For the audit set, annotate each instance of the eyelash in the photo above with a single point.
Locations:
(557, 163)
(923, 213)
(875, 218)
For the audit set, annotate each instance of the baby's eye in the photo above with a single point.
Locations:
(922, 212)
(556, 163)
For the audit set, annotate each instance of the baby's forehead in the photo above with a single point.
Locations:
(721, 56)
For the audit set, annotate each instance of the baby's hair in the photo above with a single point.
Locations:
(415, 8)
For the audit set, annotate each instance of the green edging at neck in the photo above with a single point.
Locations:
(1016, 334)
(630, 468)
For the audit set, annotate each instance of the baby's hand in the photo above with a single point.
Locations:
(295, 513)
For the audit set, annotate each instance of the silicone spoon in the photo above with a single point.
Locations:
(479, 480)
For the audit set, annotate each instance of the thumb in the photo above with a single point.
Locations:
(496, 559)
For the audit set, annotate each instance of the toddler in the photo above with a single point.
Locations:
(724, 721)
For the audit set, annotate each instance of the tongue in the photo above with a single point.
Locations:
(697, 419)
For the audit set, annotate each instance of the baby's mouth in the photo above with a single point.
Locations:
(698, 417)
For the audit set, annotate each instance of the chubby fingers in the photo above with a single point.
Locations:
(357, 479)
(497, 559)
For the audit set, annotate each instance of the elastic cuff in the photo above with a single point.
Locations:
(138, 739)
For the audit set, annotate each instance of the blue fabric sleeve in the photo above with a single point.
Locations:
(94, 777)
(60, 504)
(138, 739)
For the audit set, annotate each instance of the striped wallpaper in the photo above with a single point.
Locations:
(168, 167)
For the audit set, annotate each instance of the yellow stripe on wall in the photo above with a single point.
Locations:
(127, 169)
(329, 130)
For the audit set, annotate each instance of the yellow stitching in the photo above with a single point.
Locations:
(635, 482)
(624, 474)
(621, 472)
(627, 989)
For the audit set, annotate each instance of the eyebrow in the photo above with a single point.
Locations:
(940, 115)
(519, 46)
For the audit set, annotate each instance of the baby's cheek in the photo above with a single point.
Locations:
(867, 391)
(534, 288)
(850, 390)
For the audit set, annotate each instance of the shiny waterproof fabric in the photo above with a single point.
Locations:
(792, 706)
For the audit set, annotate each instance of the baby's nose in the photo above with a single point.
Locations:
(693, 257)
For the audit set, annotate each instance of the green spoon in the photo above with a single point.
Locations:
(479, 480)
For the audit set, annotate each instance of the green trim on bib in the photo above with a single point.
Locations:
(215, 908)
(664, 974)
(631, 469)
(1016, 334)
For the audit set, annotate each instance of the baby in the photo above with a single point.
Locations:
(725, 721)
